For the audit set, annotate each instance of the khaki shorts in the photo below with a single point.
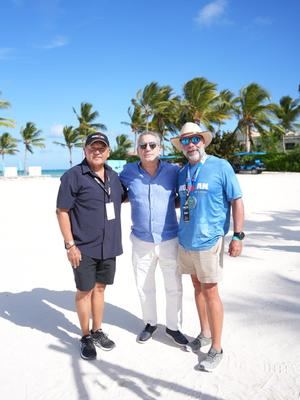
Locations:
(207, 265)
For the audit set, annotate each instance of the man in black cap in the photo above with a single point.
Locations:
(88, 212)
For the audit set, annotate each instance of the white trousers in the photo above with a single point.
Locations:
(145, 256)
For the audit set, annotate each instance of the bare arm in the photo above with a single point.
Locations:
(236, 246)
(74, 255)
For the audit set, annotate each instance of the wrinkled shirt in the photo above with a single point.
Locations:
(152, 200)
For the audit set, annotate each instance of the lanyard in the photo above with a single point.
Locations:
(189, 182)
(106, 190)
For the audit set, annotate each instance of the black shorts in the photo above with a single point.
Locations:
(92, 271)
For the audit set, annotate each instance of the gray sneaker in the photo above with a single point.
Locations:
(197, 343)
(212, 360)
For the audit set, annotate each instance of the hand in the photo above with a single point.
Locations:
(74, 256)
(235, 248)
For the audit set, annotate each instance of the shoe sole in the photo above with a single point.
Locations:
(200, 368)
(178, 344)
(145, 341)
(87, 358)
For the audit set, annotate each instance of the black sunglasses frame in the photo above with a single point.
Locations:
(152, 145)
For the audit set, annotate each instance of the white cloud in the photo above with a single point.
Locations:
(56, 130)
(211, 12)
(58, 41)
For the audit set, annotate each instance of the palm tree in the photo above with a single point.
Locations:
(137, 122)
(31, 138)
(287, 113)
(123, 145)
(156, 105)
(8, 145)
(203, 104)
(6, 121)
(72, 139)
(86, 120)
(253, 111)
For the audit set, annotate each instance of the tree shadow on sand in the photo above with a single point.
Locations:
(280, 224)
(282, 305)
(44, 310)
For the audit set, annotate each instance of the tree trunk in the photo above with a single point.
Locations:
(248, 143)
(70, 157)
(25, 169)
(283, 143)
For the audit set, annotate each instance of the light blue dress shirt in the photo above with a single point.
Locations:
(152, 201)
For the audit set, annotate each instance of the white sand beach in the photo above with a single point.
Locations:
(40, 332)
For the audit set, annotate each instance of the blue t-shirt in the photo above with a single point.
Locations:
(214, 187)
(152, 200)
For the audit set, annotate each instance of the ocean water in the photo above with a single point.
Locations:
(45, 172)
(53, 172)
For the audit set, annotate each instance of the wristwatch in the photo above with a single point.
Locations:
(69, 244)
(238, 236)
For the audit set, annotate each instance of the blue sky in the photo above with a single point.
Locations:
(55, 54)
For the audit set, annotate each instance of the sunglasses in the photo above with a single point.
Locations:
(152, 145)
(192, 139)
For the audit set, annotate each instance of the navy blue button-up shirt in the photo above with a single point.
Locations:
(81, 194)
(152, 201)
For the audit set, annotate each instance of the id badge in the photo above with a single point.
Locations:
(110, 210)
(186, 213)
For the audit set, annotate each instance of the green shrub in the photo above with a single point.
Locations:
(286, 162)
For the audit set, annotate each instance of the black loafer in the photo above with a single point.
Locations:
(146, 333)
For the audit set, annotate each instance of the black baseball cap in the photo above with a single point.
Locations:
(96, 137)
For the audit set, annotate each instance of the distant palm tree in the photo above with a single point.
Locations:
(137, 122)
(6, 121)
(8, 145)
(287, 112)
(72, 139)
(31, 138)
(86, 120)
(253, 111)
(203, 104)
(120, 152)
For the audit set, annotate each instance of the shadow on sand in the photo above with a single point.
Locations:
(44, 310)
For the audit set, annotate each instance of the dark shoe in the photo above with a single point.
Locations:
(146, 333)
(101, 340)
(177, 337)
(87, 348)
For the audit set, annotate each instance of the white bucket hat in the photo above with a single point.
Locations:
(190, 129)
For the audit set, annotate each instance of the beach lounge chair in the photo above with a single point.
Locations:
(34, 171)
(10, 172)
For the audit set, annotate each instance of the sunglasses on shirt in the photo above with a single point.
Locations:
(192, 139)
(152, 145)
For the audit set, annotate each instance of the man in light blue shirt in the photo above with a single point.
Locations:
(151, 185)
(208, 190)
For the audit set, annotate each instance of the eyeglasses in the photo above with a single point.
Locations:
(192, 139)
(152, 145)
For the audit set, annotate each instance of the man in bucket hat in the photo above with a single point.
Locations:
(208, 190)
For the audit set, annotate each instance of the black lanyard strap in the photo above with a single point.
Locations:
(106, 190)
